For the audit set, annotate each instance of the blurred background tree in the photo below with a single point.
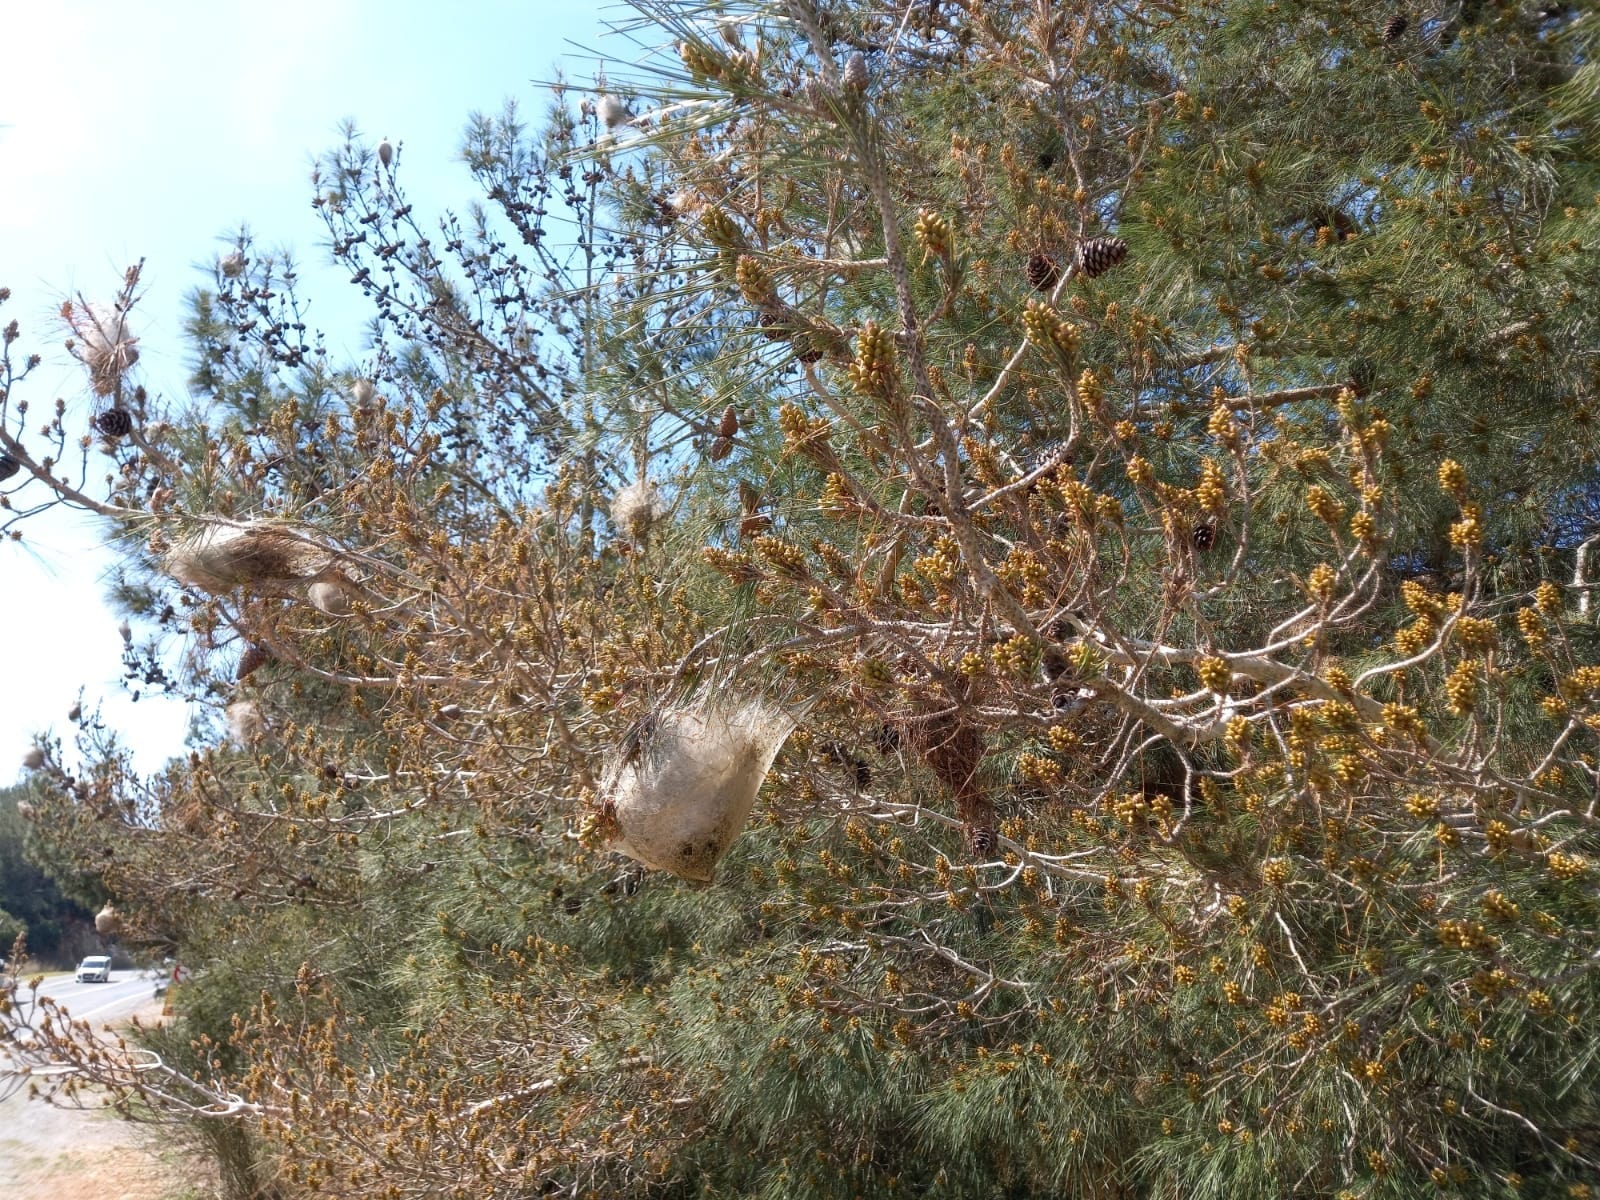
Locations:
(1149, 447)
(59, 928)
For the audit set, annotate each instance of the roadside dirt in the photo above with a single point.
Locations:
(69, 1154)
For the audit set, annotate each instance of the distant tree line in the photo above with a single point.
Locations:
(58, 928)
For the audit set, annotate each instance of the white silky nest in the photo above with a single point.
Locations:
(683, 786)
(637, 508)
(258, 556)
(246, 725)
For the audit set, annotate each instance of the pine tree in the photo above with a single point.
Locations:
(1160, 479)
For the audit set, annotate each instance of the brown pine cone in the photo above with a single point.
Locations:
(115, 422)
(1044, 272)
(1098, 255)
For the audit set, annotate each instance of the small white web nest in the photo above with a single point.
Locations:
(636, 509)
(246, 725)
(104, 344)
(612, 111)
(332, 596)
(683, 785)
(108, 921)
(263, 558)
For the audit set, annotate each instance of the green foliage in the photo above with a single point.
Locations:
(1194, 650)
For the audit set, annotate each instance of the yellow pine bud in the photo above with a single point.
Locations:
(1566, 866)
(1238, 734)
(1531, 628)
(1212, 490)
(1223, 428)
(934, 233)
(1091, 393)
(1403, 718)
(1423, 808)
(1467, 533)
(722, 230)
(755, 283)
(837, 499)
(1323, 506)
(1461, 688)
(874, 673)
(1453, 479)
(1476, 635)
(1320, 583)
(1214, 674)
(873, 370)
(701, 64)
(1421, 601)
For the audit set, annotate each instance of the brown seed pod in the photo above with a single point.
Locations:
(729, 425)
(720, 449)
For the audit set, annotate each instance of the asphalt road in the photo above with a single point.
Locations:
(98, 1003)
(82, 1153)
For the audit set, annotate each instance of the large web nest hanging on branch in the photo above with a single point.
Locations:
(262, 559)
(681, 786)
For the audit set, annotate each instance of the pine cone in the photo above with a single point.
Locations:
(114, 422)
(805, 348)
(854, 76)
(8, 466)
(1098, 255)
(1048, 461)
(775, 326)
(720, 449)
(982, 840)
(252, 658)
(1395, 28)
(729, 425)
(1044, 272)
(1204, 537)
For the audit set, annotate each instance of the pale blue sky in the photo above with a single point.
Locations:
(153, 131)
